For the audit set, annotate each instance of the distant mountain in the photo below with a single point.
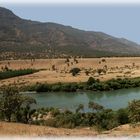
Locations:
(20, 38)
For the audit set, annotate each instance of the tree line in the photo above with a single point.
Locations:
(91, 85)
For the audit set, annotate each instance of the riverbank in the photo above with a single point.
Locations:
(91, 85)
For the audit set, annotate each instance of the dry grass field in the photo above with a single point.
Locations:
(57, 70)
(17, 129)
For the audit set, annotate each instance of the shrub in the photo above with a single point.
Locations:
(56, 87)
(122, 116)
(134, 111)
(91, 81)
(75, 71)
(42, 88)
(106, 119)
(69, 87)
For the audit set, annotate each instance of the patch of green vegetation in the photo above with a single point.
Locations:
(13, 73)
(91, 85)
(103, 119)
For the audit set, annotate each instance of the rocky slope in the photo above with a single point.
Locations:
(20, 38)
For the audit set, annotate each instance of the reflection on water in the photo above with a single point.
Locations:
(110, 99)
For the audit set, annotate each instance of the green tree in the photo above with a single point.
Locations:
(134, 111)
(12, 102)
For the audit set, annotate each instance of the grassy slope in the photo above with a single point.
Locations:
(8, 129)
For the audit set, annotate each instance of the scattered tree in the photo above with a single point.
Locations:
(75, 71)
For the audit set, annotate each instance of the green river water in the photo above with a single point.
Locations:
(63, 100)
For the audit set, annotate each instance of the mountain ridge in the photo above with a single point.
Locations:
(21, 38)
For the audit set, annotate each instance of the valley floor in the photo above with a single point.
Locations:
(116, 67)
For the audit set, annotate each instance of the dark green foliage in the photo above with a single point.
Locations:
(112, 84)
(106, 119)
(134, 111)
(12, 103)
(13, 73)
(75, 71)
(56, 87)
(122, 116)
(91, 81)
(92, 85)
(42, 88)
(69, 87)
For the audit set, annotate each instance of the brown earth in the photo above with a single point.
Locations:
(119, 67)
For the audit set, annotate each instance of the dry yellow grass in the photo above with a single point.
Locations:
(117, 67)
(17, 129)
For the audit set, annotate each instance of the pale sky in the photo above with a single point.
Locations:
(114, 19)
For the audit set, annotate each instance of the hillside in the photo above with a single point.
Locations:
(20, 38)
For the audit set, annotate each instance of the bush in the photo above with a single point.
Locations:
(56, 87)
(75, 71)
(106, 120)
(42, 88)
(91, 81)
(122, 116)
(134, 111)
(69, 87)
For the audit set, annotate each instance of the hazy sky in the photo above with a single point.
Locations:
(119, 20)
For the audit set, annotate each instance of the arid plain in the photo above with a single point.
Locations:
(58, 70)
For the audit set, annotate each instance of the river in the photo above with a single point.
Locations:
(63, 100)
